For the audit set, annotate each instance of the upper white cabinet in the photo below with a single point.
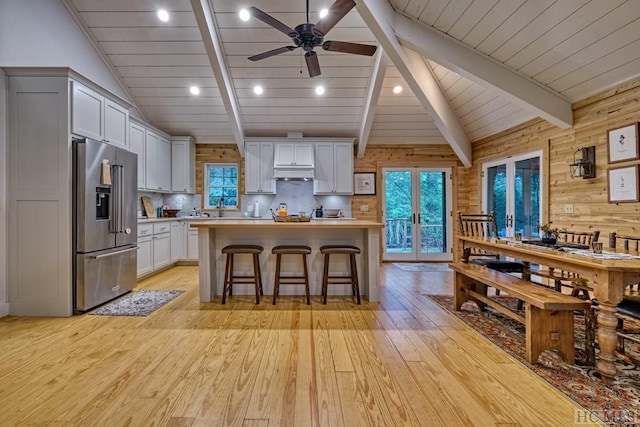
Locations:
(258, 170)
(97, 117)
(334, 168)
(157, 162)
(137, 145)
(293, 154)
(183, 159)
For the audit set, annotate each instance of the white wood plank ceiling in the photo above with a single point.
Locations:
(563, 50)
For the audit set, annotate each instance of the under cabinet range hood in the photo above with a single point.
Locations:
(280, 172)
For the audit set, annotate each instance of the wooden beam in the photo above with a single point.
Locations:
(378, 72)
(481, 69)
(379, 16)
(208, 28)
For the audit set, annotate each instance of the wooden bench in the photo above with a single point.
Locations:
(548, 315)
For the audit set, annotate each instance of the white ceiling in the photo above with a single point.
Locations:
(469, 68)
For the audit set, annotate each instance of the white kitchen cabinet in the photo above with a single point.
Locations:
(98, 117)
(145, 255)
(258, 170)
(334, 168)
(192, 246)
(162, 248)
(178, 241)
(183, 159)
(137, 144)
(157, 162)
(296, 154)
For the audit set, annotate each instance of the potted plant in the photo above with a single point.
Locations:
(549, 234)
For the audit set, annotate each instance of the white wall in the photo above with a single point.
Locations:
(4, 288)
(42, 33)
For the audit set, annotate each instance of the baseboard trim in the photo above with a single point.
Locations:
(4, 309)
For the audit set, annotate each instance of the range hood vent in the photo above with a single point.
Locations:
(293, 173)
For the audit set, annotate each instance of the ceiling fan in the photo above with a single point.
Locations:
(308, 35)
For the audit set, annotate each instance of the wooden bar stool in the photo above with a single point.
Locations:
(352, 279)
(291, 280)
(230, 279)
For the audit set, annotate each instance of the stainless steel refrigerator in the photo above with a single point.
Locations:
(105, 185)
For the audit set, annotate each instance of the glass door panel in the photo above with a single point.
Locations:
(417, 206)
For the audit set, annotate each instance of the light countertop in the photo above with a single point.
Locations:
(244, 223)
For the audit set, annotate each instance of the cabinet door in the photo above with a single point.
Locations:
(145, 255)
(137, 145)
(192, 249)
(284, 154)
(303, 154)
(182, 166)
(116, 124)
(252, 164)
(343, 168)
(87, 117)
(151, 161)
(176, 241)
(324, 175)
(267, 183)
(161, 250)
(164, 164)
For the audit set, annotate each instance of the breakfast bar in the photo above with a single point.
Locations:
(217, 233)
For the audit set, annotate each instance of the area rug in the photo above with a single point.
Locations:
(140, 303)
(616, 404)
(421, 266)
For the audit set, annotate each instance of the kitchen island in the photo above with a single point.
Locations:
(214, 234)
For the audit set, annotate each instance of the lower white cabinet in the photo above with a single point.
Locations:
(145, 255)
(192, 246)
(161, 250)
(178, 240)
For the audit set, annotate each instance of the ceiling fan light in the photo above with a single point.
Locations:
(163, 15)
(319, 90)
(195, 90)
(244, 15)
(324, 12)
(397, 89)
(258, 90)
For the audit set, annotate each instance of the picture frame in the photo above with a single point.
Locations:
(364, 183)
(622, 143)
(623, 184)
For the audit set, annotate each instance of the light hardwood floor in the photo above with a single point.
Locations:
(404, 361)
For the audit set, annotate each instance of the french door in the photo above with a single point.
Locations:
(512, 188)
(417, 214)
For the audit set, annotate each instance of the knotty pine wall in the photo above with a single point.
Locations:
(592, 118)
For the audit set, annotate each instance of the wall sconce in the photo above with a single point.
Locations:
(584, 167)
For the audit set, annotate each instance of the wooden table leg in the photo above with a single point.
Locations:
(607, 340)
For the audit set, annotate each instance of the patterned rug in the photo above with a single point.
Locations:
(616, 404)
(140, 303)
(409, 266)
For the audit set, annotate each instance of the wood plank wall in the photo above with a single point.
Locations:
(217, 153)
(592, 118)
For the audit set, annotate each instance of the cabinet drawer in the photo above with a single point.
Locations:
(145, 230)
(161, 227)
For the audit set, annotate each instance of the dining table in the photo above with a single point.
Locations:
(609, 272)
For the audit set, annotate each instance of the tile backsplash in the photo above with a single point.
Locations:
(298, 195)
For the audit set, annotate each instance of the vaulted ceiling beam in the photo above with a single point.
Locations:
(378, 72)
(483, 70)
(379, 16)
(207, 25)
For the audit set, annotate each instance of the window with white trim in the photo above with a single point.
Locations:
(221, 183)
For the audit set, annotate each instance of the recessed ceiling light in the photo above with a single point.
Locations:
(324, 12)
(397, 89)
(195, 90)
(319, 90)
(244, 15)
(163, 15)
(258, 90)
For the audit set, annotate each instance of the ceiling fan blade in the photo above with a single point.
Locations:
(337, 11)
(270, 53)
(346, 47)
(312, 63)
(270, 20)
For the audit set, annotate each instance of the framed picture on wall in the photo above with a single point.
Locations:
(623, 143)
(364, 183)
(623, 184)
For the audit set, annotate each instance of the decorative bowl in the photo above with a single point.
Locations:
(170, 213)
(331, 213)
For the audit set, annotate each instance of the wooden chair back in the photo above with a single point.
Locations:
(580, 237)
(624, 242)
(478, 225)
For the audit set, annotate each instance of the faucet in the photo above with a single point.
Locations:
(219, 206)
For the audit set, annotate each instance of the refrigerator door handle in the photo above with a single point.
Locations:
(120, 199)
(113, 221)
(114, 253)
